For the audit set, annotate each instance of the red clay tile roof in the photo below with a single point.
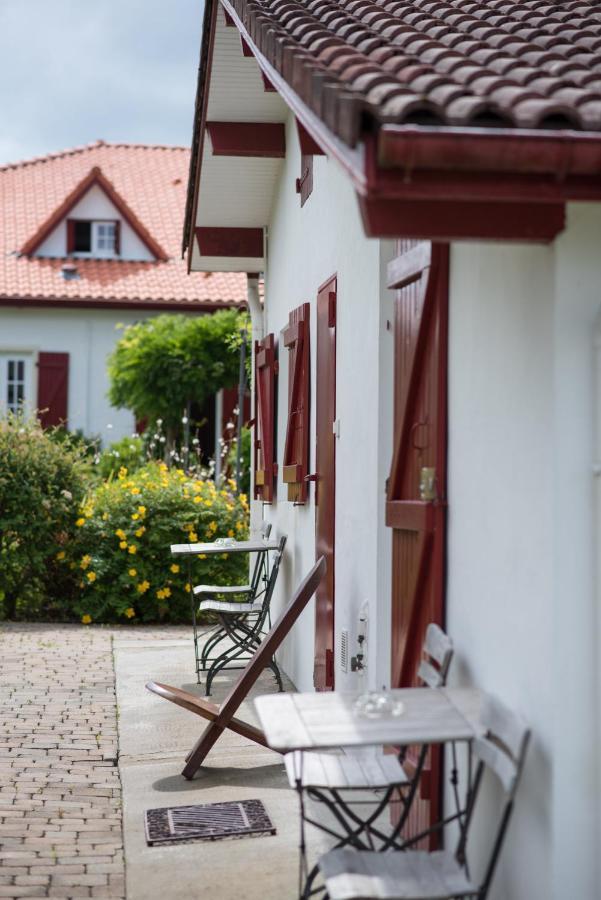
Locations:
(152, 182)
(510, 63)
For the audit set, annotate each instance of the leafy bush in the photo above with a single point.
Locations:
(129, 452)
(245, 441)
(42, 484)
(124, 530)
(162, 364)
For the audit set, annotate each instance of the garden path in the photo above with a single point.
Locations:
(60, 794)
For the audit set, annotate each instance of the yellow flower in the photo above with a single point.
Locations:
(123, 545)
(197, 500)
(132, 549)
(85, 561)
(105, 516)
(132, 572)
(240, 526)
(140, 531)
(122, 473)
(174, 568)
(135, 491)
(80, 522)
(167, 592)
(202, 555)
(91, 576)
(86, 619)
(187, 587)
(213, 525)
(120, 534)
(142, 510)
(135, 516)
(142, 587)
(193, 537)
(160, 593)
(208, 503)
(60, 554)
(130, 613)
(230, 533)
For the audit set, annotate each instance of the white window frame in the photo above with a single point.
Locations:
(96, 252)
(29, 399)
(96, 238)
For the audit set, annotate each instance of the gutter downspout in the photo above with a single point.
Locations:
(255, 309)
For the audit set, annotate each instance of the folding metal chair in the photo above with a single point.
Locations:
(439, 875)
(243, 591)
(243, 623)
(326, 777)
(222, 717)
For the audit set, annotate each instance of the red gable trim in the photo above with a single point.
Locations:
(94, 177)
(246, 242)
(263, 139)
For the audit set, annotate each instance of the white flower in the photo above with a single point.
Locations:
(109, 426)
(159, 422)
(185, 420)
(162, 440)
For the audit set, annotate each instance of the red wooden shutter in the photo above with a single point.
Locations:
(264, 424)
(117, 238)
(296, 448)
(416, 497)
(53, 388)
(70, 235)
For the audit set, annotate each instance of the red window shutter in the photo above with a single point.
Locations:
(296, 449)
(70, 235)
(264, 438)
(53, 388)
(117, 238)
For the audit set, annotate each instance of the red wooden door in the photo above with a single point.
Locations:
(325, 484)
(416, 497)
(53, 388)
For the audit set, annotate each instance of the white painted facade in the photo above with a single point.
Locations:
(89, 337)
(523, 582)
(95, 205)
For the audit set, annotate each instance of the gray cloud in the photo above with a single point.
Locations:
(72, 71)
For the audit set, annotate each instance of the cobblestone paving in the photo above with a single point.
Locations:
(60, 796)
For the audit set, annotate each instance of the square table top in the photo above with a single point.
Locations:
(257, 546)
(319, 721)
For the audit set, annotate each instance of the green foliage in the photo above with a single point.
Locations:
(42, 483)
(245, 439)
(124, 531)
(163, 363)
(129, 452)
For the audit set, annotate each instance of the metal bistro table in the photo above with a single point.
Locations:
(261, 547)
(327, 721)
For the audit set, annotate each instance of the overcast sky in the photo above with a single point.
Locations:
(73, 71)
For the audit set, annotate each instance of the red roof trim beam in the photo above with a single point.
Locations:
(261, 139)
(95, 177)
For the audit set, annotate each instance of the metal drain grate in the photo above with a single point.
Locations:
(209, 822)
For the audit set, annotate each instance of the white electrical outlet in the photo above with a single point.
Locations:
(344, 650)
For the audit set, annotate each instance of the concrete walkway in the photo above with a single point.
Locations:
(154, 737)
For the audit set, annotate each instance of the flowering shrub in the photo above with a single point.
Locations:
(128, 453)
(123, 534)
(42, 483)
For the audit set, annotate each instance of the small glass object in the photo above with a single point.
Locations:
(377, 705)
(225, 542)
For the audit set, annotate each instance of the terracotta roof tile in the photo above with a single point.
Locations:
(520, 63)
(152, 181)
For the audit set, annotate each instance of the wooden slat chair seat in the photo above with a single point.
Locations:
(222, 589)
(351, 875)
(230, 606)
(343, 771)
(222, 718)
(418, 875)
(373, 770)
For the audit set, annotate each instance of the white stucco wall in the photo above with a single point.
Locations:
(88, 336)
(96, 205)
(521, 594)
(305, 247)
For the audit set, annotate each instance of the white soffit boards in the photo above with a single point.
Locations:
(236, 192)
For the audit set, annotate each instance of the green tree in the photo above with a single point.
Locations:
(162, 364)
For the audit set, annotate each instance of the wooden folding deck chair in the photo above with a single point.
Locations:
(222, 717)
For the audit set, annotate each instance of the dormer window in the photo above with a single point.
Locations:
(93, 238)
